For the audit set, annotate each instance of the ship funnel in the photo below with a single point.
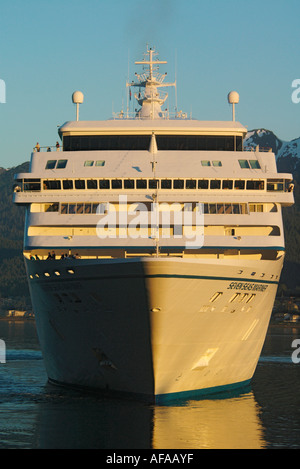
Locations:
(233, 98)
(77, 98)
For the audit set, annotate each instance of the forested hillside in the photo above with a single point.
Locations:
(13, 282)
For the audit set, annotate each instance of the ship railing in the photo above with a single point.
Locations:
(123, 115)
(47, 148)
(258, 148)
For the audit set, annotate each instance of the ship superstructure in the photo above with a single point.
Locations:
(153, 247)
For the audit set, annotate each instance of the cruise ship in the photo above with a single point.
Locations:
(153, 246)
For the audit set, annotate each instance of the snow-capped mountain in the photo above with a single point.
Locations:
(287, 153)
(267, 139)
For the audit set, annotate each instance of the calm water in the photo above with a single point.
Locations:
(34, 414)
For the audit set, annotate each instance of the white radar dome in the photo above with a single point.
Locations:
(77, 97)
(233, 97)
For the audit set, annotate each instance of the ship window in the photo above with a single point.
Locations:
(203, 184)
(64, 208)
(228, 209)
(153, 184)
(50, 164)
(212, 208)
(106, 142)
(178, 184)
(198, 142)
(227, 184)
(91, 184)
(51, 207)
(67, 184)
(32, 184)
(239, 184)
(244, 164)
(166, 184)
(88, 163)
(79, 184)
(128, 184)
(275, 185)
(104, 184)
(254, 164)
(190, 184)
(100, 163)
(61, 164)
(220, 208)
(95, 208)
(255, 185)
(87, 208)
(72, 208)
(51, 185)
(70, 271)
(217, 163)
(205, 163)
(141, 184)
(79, 208)
(116, 184)
(215, 184)
(256, 208)
(235, 208)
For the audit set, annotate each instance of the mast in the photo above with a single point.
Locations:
(150, 99)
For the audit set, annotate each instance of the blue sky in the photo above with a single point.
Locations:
(48, 49)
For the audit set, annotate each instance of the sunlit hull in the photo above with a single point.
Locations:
(153, 328)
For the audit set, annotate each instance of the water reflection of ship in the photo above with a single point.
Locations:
(198, 424)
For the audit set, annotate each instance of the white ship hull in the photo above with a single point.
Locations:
(155, 328)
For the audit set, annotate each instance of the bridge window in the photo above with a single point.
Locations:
(50, 164)
(116, 184)
(244, 164)
(141, 184)
(255, 185)
(129, 184)
(92, 184)
(80, 184)
(61, 164)
(202, 183)
(104, 184)
(227, 184)
(190, 184)
(67, 184)
(254, 164)
(215, 184)
(239, 184)
(153, 184)
(51, 185)
(166, 184)
(178, 184)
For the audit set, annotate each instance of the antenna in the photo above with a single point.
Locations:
(233, 98)
(77, 98)
(176, 81)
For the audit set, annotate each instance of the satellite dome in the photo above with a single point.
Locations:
(77, 97)
(233, 97)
